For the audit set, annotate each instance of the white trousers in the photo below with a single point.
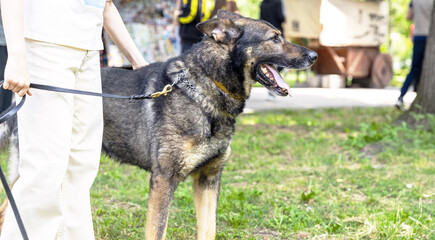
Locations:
(60, 138)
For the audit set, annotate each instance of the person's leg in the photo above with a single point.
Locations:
(44, 123)
(408, 81)
(416, 66)
(420, 45)
(87, 134)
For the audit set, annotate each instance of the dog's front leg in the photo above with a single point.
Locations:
(162, 188)
(206, 183)
(206, 188)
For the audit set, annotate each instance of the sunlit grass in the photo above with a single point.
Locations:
(323, 174)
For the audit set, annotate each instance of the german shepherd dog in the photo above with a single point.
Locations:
(189, 131)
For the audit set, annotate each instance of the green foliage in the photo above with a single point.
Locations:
(306, 197)
(392, 135)
(249, 8)
(398, 11)
(400, 42)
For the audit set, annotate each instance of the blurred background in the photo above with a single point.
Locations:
(360, 43)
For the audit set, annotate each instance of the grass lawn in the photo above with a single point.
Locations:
(306, 174)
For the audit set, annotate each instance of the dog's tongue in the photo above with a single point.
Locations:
(279, 79)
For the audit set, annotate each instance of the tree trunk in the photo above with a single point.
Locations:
(424, 103)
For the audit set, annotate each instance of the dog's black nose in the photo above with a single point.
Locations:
(312, 56)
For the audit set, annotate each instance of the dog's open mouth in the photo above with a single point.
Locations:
(272, 80)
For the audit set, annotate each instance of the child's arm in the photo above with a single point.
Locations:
(117, 31)
(17, 77)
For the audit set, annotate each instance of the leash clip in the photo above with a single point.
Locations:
(166, 90)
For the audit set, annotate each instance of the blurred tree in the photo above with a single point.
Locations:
(398, 22)
(249, 8)
(399, 43)
(424, 103)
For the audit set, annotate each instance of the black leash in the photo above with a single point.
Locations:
(11, 111)
(74, 91)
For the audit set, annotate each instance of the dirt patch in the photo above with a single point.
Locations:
(267, 234)
(272, 127)
(371, 150)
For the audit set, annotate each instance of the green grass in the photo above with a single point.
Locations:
(309, 174)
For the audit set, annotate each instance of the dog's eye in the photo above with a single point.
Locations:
(276, 39)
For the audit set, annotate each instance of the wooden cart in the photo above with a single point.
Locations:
(347, 35)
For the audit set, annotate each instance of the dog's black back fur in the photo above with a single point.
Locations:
(196, 109)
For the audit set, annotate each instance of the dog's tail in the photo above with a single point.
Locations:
(5, 133)
(9, 141)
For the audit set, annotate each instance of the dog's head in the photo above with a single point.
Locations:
(258, 48)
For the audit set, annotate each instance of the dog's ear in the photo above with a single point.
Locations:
(228, 15)
(221, 30)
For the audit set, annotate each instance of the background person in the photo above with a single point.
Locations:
(188, 13)
(57, 43)
(420, 13)
(272, 11)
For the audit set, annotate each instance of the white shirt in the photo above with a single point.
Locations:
(73, 23)
(422, 10)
